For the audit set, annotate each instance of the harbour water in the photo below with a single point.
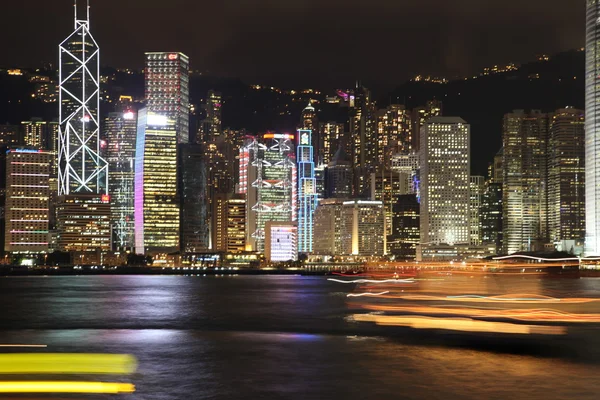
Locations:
(284, 337)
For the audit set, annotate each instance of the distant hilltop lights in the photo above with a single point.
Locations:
(496, 69)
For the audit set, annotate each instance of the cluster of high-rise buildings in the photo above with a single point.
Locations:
(167, 180)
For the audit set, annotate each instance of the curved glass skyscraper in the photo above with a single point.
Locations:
(592, 128)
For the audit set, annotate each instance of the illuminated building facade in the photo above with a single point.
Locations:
(27, 200)
(194, 193)
(407, 164)
(236, 225)
(363, 131)
(331, 136)
(156, 198)
(363, 224)
(476, 189)
(566, 178)
(433, 108)
(229, 220)
(592, 129)
(327, 239)
(219, 161)
(84, 223)
(307, 190)
(244, 164)
(210, 127)
(45, 89)
(81, 169)
(524, 164)
(34, 133)
(120, 133)
(445, 168)
(386, 186)
(394, 133)
(320, 181)
(281, 241)
(344, 227)
(168, 89)
(405, 236)
(271, 195)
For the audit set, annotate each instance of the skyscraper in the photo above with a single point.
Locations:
(491, 205)
(349, 227)
(566, 179)
(90, 231)
(331, 135)
(592, 129)
(363, 224)
(476, 189)
(307, 190)
(168, 89)
(407, 164)
(327, 239)
(524, 164)
(34, 133)
(27, 205)
(156, 196)
(338, 176)
(120, 134)
(194, 193)
(320, 181)
(386, 186)
(309, 118)
(491, 215)
(433, 108)
(229, 223)
(363, 137)
(394, 133)
(210, 126)
(405, 236)
(445, 168)
(81, 169)
(271, 194)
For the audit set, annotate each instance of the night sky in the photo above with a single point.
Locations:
(304, 42)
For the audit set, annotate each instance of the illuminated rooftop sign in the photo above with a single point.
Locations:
(278, 136)
(24, 151)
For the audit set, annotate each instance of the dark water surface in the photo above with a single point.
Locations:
(281, 337)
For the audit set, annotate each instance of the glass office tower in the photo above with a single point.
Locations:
(156, 197)
(592, 129)
(168, 89)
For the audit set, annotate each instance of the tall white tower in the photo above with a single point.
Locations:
(592, 128)
(81, 169)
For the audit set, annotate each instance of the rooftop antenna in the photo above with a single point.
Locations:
(75, 7)
(88, 12)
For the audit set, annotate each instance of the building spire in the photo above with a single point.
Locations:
(88, 13)
(75, 8)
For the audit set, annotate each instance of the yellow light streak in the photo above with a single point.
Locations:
(66, 363)
(460, 324)
(65, 387)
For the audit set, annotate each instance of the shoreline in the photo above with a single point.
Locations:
(73, 271)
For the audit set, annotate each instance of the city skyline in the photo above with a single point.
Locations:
(182, 167)
(450, 51)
